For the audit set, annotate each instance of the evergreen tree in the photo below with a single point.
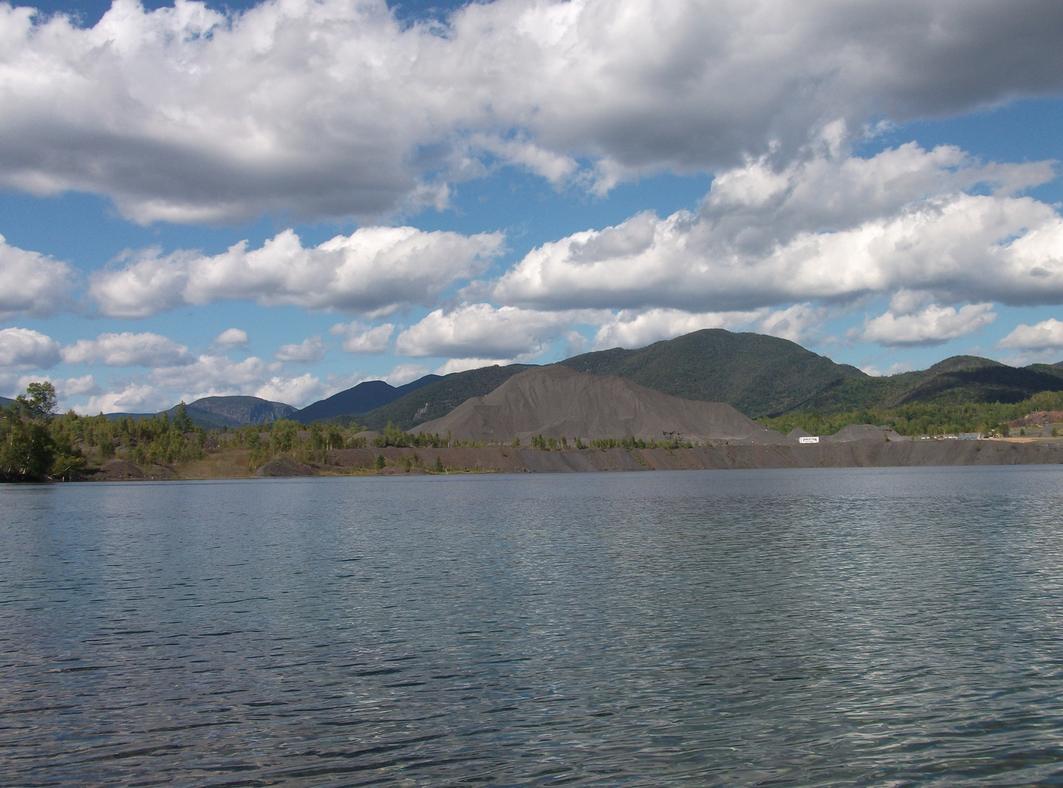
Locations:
(182, 422)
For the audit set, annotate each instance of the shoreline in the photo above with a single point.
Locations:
(501, 459)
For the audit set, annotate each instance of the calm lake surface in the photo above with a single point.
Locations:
(808, 626)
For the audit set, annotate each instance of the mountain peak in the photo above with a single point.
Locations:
(758, 374)
(235, 411)
(357, 400)
(957, 363)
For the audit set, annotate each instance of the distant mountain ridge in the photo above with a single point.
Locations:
(757, 374)
(761, 376)
(957, 379)
(226, 411)
(364, 397)
(236, 411)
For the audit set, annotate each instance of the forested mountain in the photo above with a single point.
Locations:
(759, 375)
(982, 380)
(958, 379)
(4, 402)
(765, 376)
(358, 400)
(217, 412)
(235, 411)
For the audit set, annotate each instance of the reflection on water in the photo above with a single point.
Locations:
(802, 626)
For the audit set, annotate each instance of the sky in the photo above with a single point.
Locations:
(286, 198)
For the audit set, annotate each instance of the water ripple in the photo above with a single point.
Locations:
(808, 627)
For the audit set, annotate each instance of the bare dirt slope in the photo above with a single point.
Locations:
(864, 432)
(559, 402)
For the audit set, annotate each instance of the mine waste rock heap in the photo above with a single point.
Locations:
(558, 402)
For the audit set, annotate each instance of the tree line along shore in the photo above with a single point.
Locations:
(37, 444)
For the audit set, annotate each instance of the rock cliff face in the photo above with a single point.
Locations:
(559, 402)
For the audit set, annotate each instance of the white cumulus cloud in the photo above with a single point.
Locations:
(464, 364)
(296, 391)
(1046, 335)
(207, 375)
(635, 328)
(405, 373)
(65, 388)
(231, 337)
(24, 348)
(31, 283)
(929, 326)
(762, 239)
(361, 338)
(796, 322)
(483, 331)
(213, 375)
(75, 387)
(130, 398)
(371, 270)
(638, 328)
(309, 350)
(336, 108)
(127, 349)
(554, 167)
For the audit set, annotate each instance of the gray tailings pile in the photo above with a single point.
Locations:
(557, 402)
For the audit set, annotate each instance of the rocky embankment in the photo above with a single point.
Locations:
(858, 454)
(504, 459)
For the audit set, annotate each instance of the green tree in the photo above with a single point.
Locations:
(27, 449)
(39, 401)
(283, 435)
(182, 422)
(67, 465)
(333, 438)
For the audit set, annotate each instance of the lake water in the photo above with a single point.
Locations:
(870, 625)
